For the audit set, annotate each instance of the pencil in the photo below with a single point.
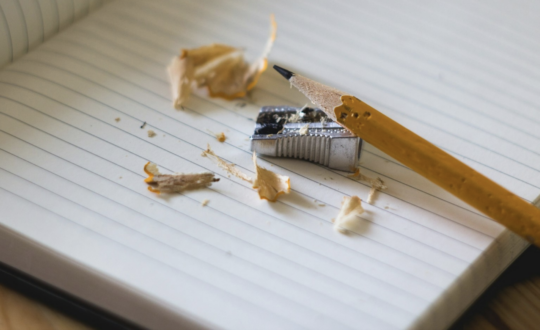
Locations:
(423, 157)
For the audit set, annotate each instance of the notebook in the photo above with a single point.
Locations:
(77, 214)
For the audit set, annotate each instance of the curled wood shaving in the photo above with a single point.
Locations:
(221, 69)
(303, 130)
(174, 183)
(269, 184)
(348, 216)
(151, 133)
(375, 183)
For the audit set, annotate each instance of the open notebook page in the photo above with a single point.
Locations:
(72, 180)
(24, 24)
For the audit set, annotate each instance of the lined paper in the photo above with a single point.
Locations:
(72, 176)
(24, 24)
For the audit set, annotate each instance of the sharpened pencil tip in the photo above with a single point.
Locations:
(284, 72)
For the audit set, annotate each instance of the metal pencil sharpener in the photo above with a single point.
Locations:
(280, 131)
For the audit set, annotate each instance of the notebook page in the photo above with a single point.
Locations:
(24, 24)
(240, 262)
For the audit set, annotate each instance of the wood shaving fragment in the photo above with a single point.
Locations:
(117, 119)
(228, 167)
(319, 203)
(282, 128)
(221, 137)
(269, 184)
(205, 202)
(294, 118)
(376, 184)
(303, 130)
(221, 69)
(151, 133)
(174, 183)
(349, 214)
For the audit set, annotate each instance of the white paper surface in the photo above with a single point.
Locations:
(71, 176)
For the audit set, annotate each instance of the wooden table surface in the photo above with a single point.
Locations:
(513, 302)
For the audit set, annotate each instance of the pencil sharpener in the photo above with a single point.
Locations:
(305, 133)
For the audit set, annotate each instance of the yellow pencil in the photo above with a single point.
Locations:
(423, 157)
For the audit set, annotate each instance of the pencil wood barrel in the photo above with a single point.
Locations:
(440, 168)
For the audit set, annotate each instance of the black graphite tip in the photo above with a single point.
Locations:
(284, 72)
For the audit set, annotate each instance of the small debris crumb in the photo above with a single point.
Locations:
(319, 203)
(376, 184)
(221, 137)
(120, 178)
(143, 124)
(348, 216)
(117, 119)
(174, 183)
(205, 202)
(303, 130)
(151, 133)
(241, 104)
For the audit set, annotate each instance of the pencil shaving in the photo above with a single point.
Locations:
(269, 184)
(349, 214)
(375, 183)
(303, 130)
(205, 202)
(175, 183)
(220, 69)
(151, 133)
(228, 167)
